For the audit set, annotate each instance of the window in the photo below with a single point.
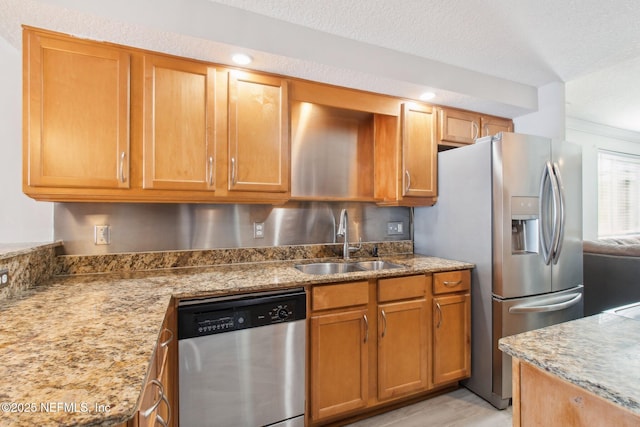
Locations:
(618, 194)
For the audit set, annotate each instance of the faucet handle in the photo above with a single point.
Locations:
(356, 248)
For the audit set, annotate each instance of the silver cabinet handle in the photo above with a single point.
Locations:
(476, 129)
(159, 419)
(210, 171)
(366, 328)
(233, 171)
(168, 340)
(518, 309)
(384, 323)
(439, 315)
(449, 284)
(123, 178)
(155, 405)
(408, 185)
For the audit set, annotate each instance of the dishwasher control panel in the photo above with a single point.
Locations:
(208, 317)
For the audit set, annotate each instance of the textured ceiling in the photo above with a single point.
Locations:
(485, 55)
(592, 45)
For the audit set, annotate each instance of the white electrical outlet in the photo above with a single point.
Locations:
(258, 230)
(4, 278)
(102, 234)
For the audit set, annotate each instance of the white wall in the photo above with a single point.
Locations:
(591, 137)
(21, 218)
(549, 120)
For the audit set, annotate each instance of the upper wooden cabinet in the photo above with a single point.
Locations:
(76, 114)
(406, 156)
(419, 151)
(258, 133)
(457, 127)
(179, 114)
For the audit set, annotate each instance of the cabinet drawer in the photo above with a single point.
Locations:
(339, 295)
(451, 281)
(399, 288)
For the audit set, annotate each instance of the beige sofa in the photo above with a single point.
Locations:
(611, 273)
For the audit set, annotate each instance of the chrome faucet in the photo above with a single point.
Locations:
(343, 231)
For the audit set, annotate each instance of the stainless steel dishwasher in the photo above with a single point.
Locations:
(242, 360)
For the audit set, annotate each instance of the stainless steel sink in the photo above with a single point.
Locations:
(344, 267)
(377, 265)
(328, 268)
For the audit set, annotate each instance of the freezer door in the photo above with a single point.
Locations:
(518, 315)
(567, 257)
(518, 166)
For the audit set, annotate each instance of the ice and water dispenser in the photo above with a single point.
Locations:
(525, 214)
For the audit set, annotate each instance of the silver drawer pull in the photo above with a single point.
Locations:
(166, 342)
(155, 405)
(452, 284)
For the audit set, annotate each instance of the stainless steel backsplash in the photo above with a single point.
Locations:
(141, 227)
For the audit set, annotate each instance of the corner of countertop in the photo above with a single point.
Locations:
(10, 250)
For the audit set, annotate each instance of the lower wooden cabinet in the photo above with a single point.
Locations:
(451, 323)
(381, 342)
(543, 399)
(451, 338)
(369, 345)
(339, 363)
(402, 348)
(158, 406)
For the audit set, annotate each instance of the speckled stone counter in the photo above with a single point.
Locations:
(600, 353)
(87, 340)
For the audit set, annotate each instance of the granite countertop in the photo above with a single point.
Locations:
(78, 343)
(600, 353)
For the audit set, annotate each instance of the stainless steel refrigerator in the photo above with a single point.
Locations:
(512, 205)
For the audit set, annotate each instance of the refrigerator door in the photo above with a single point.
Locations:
(519, 163)
(518, 315)
(567, 256)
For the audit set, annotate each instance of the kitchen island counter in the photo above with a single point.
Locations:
(76, 349)
(599, 354)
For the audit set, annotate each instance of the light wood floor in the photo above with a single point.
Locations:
(458, 408)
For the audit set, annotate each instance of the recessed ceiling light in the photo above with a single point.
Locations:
(241, 59)
(427, 96)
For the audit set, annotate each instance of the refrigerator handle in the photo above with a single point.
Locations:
(561, 216)
(520, 309)
(547, 246)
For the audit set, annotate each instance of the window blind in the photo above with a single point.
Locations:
(618, 194)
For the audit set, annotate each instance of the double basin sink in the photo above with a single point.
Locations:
(320, 268)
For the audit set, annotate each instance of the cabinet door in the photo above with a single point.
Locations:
(76, 113)
(258, 133)
(451, 338)
(419, 150)
(402, 348)
(339, 363)
(459, 127)
(179, 124)
(493, 125)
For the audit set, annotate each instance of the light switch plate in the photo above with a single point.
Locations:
(394, 228)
